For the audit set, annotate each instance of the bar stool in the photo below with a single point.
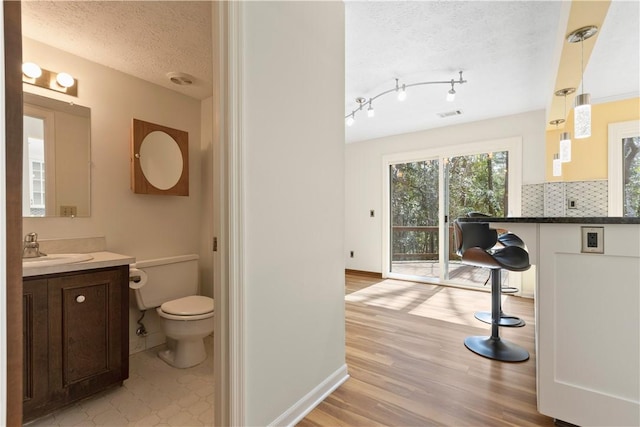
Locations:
(505, 238)
(476, 245)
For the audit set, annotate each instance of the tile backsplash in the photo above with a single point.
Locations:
(571, 199)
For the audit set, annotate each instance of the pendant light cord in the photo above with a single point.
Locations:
(581, 63)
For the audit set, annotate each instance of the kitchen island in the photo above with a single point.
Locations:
(587, 309)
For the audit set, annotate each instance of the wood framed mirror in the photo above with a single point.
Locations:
(159, 159)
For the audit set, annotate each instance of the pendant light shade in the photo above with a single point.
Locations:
(582, 107)
(565, 137)
(582, 116)
(565, 147)
(557, 165)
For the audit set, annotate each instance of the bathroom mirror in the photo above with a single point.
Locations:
(159, 159)
(56, 158)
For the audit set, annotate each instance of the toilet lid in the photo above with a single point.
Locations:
(188, 306)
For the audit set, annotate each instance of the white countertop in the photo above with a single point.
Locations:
(99, 260)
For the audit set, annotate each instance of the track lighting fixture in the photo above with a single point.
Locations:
(565, 137)
(350, 120)
(582, 107)
(401, 91)
(33, 74)
(370, 111)
(451, 95)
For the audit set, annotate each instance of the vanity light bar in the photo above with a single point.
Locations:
(60, 82)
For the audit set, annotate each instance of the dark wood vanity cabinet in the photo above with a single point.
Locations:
(76, 339)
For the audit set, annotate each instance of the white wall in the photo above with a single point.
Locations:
(140, 225)
(207, 195)
(293, 133)
(363, 179)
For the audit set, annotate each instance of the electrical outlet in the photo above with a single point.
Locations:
(68, 211)
(351, 254)
(372, 213)
(571, 204)
(593, 240)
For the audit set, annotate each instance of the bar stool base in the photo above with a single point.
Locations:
(505, 319)
(496, 349)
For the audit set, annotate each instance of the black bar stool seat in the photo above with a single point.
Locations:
(476, 244)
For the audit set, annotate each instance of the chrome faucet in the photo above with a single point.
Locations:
(31, 247)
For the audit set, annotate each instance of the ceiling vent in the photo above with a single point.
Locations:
(450, 113)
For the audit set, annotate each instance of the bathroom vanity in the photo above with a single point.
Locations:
(76, 331)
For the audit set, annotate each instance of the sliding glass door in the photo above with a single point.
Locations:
(414, 194)
(426, 194)
(474, 183)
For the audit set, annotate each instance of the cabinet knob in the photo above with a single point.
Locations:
(80, 298)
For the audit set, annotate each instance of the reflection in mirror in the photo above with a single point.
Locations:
(56, 158)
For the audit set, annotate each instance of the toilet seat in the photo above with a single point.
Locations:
(193, 307)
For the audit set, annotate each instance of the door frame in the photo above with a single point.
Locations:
(228, 142)
(512, 144)
(11, 217)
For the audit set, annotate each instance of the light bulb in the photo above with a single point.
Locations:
(451, 95)
(31, 70)
(565, 147)
(582, 116)
(402, 94)
(370, 111)
(350, 120)
(65, 80)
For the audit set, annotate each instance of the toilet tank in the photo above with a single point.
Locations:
(166, 279)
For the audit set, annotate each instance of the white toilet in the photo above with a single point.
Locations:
(170, 286)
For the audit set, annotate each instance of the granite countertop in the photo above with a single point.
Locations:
(99, 260)
(557, 220)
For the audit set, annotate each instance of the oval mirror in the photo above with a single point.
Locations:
(161, 160)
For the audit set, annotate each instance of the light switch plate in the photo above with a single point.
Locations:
(593, 240)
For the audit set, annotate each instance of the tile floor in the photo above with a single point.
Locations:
(154, 395)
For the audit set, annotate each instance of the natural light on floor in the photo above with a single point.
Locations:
(425, 300)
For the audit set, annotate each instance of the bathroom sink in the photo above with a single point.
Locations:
(54, 259)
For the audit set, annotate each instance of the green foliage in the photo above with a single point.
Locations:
(476, 183)
(631, 155)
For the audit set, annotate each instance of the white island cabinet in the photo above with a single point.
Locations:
(588, 325)
(587, 307)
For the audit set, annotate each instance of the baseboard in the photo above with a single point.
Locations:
(302, 407)
(364, 273)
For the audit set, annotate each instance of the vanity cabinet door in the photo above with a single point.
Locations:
(87, 317)
(35, 345)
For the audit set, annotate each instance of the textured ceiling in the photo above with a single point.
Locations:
(147, 39)
(508, 51)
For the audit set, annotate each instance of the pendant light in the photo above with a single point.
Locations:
(557, 165)
(565, 137)
(556, 157)
(582, 107)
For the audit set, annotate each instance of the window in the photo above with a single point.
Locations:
(631, 176)
(624, 169)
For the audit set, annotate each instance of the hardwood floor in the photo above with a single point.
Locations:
(409, 366)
